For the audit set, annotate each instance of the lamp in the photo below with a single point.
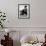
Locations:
(7, 31)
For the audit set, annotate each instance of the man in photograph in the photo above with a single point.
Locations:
(24, 11)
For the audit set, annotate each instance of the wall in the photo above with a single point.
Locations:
(37, 21)
(17, 35)
(37, 13)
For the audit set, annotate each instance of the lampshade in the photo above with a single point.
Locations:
(7, 30)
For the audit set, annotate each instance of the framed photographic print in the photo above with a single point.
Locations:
(23, 11)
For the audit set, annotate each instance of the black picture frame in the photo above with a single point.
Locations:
(23, 11)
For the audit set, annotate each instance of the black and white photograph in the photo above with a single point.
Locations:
(23, 11)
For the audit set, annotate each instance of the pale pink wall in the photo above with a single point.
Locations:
(37, 13)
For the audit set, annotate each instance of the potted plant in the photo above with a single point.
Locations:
(2, 19)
